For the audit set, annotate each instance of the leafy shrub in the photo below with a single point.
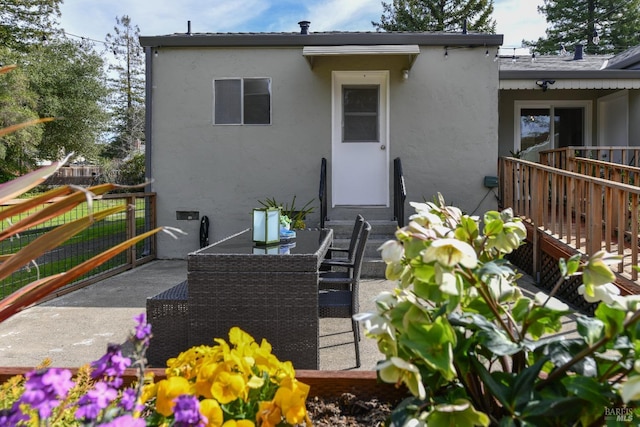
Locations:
(474, 351)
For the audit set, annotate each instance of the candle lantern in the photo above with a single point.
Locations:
(266, 226)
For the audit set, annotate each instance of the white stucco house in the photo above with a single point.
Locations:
(234, 118)
(237, 118)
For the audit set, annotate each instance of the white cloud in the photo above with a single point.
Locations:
(340, 15)
(518, 20)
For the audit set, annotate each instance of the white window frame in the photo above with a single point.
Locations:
(242, 123)
(551, 105)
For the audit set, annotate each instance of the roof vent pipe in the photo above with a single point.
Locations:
(304, 27)
(578, 53)
(188, 28)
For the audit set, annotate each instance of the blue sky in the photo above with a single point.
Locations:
(516, 19)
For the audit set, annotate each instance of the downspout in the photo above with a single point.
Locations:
(149, 247)
(148, 137)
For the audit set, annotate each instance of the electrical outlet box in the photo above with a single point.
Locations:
(491, 181)
(187, 215)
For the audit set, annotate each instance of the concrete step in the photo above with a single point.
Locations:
(369, 212)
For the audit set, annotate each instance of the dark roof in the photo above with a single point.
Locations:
(559, 67)
(629, 59)
(620, 66)
(336, 38)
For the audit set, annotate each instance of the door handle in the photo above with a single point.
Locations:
(383, 147)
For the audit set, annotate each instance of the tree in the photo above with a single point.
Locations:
(17, 105)
(128, 88)
(437, 15)
(601, 26)
(24, 23)
(70, 82)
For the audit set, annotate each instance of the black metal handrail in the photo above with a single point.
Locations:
(399, 192)
(322, 193)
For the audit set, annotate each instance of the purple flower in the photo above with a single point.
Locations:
(143, 329)
(128, 401)
(95, 400)
(44, 389)
(13, 416)
(112, 365)
(125, 421)
(187, 411)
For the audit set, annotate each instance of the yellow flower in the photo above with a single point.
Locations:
(168, 390)
(239, 423)
(228, 387)
(291, 397)
(212, 411)
(450, 252)
(269, 414)
(149, 391)
(204, 380)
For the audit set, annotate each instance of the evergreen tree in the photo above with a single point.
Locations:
(437, 15)
(24, 23)
(127, 87)
(601, 26)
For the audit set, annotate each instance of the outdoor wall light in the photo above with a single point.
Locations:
(405, 74)
(544, 84)
(266, 226)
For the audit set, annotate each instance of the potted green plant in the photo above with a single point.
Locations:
(290, 214)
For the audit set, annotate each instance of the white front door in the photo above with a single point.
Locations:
(360, 140)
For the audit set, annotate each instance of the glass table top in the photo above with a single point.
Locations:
(306, 242)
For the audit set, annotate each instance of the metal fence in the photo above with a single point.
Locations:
(137, 219)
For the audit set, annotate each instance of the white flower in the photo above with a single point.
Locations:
(631, 389)
(448, 282)
(396, 369)
(375, 324)
(422, 207)
(391, 251)
(450, 252)
(607, 293)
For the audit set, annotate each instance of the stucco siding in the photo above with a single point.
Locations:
(443, 125)
(222, 171)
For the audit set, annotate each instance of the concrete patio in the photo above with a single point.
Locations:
(76, 328)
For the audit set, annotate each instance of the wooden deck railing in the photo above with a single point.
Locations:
(606, 170)
(558, 157)
(585, 212)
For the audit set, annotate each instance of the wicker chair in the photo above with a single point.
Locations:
(338, 291)
(343, 261)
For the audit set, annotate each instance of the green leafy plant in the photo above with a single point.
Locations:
(474, 351)
(294, 214)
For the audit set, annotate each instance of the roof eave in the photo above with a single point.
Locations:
(320, 39)
(569, 74)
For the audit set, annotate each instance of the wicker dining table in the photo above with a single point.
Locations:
(270, 292)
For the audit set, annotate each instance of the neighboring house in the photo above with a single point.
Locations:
(594, 101)
(237, 118)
